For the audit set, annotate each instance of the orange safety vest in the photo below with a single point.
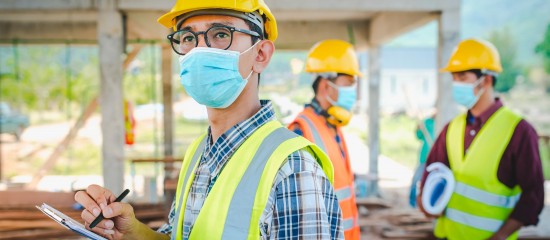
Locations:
(315, 129)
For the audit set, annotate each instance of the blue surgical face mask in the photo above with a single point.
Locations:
(463, 93)
(346, 96)
(211, 76)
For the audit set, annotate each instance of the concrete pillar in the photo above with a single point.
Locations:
(362, 85)
(109, 25)
(374, 118)
(449, 37)
(168, 118)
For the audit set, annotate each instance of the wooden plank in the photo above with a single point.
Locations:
(26, 222)
(33, 214)
(408, 220)
(9, 225)
(36, 234)
(419, 228)
(372, 203)
(397, 234)
(14, 198)
(156, 160)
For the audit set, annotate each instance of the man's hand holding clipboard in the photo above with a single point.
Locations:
(119, 220)
(98, 227)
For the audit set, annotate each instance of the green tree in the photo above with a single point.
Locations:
(543, 49)
(506, 46)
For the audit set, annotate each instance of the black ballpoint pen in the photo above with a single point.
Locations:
(100, 217)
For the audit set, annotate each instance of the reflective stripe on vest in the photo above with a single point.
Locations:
(240, 208)
(192, 166)
(485, 197)
(236, 201)
(348, 224)
(317, 139)
(343, 193)
(487, 224)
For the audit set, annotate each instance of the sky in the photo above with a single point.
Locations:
(526, 20)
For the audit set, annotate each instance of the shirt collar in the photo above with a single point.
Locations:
(315, 106)
(483, 117)
(217, 154)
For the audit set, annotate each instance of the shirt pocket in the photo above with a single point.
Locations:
(264, 231)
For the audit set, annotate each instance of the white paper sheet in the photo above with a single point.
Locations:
(68, 222)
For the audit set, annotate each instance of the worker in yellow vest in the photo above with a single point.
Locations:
(335, 65)
(247, 177)
(492, 152)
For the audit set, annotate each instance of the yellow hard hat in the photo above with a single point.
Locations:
(333, 56)
(474, 54)
(245, 6)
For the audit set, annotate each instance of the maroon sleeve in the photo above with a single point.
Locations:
(528, 174)
(438, 153)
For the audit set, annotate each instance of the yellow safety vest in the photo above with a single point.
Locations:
(480, 203)
(235, 203)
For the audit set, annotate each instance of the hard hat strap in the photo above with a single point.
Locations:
(253, 17)
(489, 72)
(328, 75)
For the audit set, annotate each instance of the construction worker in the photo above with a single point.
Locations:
(492, 152)
(248, 177)
(424, 133)
(335, 65)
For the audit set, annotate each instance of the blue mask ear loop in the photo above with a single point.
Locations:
(330, 100)
(479, 80)
(252, 70)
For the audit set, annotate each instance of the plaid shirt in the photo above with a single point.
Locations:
(301, 204)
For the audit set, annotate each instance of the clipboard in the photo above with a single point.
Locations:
(68, 222)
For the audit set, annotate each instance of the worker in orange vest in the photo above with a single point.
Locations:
(335, 65)
(129, 123)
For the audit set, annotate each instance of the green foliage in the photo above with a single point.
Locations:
(398, 140)
(545, 158)
(142, 79)
(48, 78)
(506, 45)
(543, 49)
(62, 78)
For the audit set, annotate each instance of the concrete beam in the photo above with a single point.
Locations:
(302, 35)
(449, 37)
(364, 5)
(144, 25)
(77, 32)
(48, 32)
(388, 25)
(162, 5)
(33, 16)
(275, 5)
(111, 96)
(12, 5)
(321, 15)
(357, 5)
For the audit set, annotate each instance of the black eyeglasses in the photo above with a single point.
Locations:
(219, 37)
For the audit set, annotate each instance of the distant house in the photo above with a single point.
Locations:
(408, 79)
